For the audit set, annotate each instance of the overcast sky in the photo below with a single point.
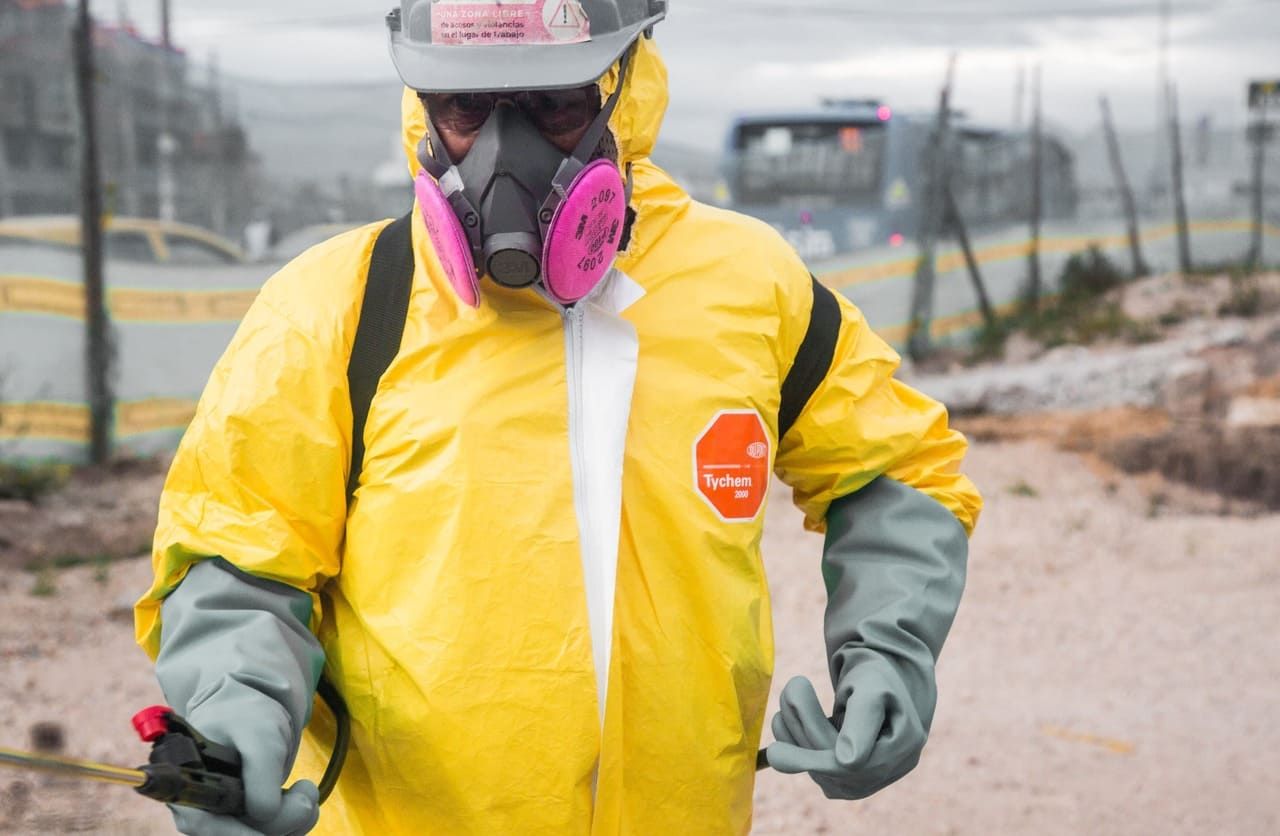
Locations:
(729, 55)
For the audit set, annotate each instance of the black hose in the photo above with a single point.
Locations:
(341, 738)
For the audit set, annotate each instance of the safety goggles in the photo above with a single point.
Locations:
(553, 112)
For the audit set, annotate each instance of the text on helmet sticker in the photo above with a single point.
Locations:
(509, 22)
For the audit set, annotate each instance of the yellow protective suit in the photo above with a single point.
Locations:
(450, 598)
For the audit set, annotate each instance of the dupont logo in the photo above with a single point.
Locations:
(731, 464)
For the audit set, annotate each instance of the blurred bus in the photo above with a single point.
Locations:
(850, 175)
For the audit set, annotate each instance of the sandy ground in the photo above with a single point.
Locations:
(1112, 670)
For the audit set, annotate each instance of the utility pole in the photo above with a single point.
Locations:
(6, 194)
(1179, 198)
(128, 190)
(223, 181)
(1259, 167)
(1159, 171)
(122, 192)
(1162, 57)
(1126, 193)
(936, 175)
(167, 146)
(6, 180)
(215, 88)
(1037, 190)
(97, 347)
(1019, 94)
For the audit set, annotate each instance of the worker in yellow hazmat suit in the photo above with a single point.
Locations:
(529, 561)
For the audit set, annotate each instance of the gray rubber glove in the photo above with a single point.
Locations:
(894, 565)
(239, 662)
(258, 728)
(296, 812)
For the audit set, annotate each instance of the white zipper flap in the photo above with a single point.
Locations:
(601, 354)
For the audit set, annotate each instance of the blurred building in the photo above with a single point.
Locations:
(37, 108)
(142, 88)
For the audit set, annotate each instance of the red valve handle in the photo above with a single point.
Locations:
(152, 723)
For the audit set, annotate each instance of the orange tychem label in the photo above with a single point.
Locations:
(731, 464)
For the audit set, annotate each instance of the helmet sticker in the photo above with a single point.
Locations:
(509, 22)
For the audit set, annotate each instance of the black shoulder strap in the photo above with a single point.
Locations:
(813, 359)
(382, 316)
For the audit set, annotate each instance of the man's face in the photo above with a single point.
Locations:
(562, 116)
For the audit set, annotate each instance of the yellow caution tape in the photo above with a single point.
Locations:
(180, 306)
(60, 297)
(38, 295)
(894, 334)
(897, 268)
(947, 325)
(45, 421)
(953, 259)
(1232, 225)
(136, 417)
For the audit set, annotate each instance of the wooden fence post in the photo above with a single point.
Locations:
(1259, 165)
(6, 180)
(1140, 267)
(918, 341)
(97, 343)
(1034, 282)
(1179, 196)
(975, 273)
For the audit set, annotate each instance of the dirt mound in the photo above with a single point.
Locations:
(1228, 446)
(1202, 467)
(1197, 411)
(101, 514)
(1243, 463)
(1074, 431)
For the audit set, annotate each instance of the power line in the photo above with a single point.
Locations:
(313, 22)
(767, 8)
(949, 14)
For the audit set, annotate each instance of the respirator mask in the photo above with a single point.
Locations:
(516, 208)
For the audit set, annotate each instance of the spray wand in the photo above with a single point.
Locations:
(185, 767)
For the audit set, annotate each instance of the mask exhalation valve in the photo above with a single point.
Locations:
(509, 258)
